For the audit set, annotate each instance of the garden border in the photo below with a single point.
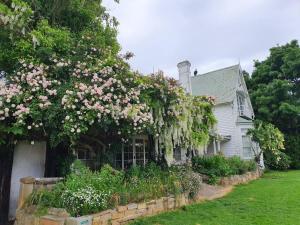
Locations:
(122, 214)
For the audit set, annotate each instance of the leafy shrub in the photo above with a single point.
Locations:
(279, 162)
(292, 146)
(211, 165)
(190, 181)
(150, 182)
(219, 166)
(239, 166)
(85, 192)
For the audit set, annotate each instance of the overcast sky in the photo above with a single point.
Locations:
(211, 34)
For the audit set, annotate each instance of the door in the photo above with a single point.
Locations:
(133, 153)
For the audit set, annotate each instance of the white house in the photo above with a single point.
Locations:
(233, 108)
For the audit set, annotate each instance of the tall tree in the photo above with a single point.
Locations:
(274, 88)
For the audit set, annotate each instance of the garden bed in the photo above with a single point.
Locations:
(124, 214)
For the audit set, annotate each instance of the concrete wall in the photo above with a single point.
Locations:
(29, 160)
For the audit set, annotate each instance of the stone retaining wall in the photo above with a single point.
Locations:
(124, 214)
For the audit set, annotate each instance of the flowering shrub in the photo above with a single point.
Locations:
(179, 119)
(64, 82)
(85, 192)
(269, 138)
(85, 200)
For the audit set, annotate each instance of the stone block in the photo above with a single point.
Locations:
(142, 212)
(115, 222)
(121, 208)
(104, 216)
(30, 220)
(117, 215)
(142, 206)
(132, 206)
(171, 203)
(153, 202)
(58, 212)
(97, 221)
(83, 220)
(26, 188)
(130, 212)
(52, 220)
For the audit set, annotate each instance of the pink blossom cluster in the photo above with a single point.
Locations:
(103, 95)
(30, 85)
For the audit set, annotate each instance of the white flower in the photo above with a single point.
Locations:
(72, 130)
(29, 127)
(78, 130)
(32, 142)
(67, 117)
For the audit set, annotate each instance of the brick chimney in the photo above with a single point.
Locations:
(184, 70)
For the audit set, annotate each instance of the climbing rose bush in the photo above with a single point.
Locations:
(63, 82)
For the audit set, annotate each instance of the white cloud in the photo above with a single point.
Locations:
(209, 33)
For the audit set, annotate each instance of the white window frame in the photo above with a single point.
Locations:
(244, 135)
(241, 104)
(134, 153)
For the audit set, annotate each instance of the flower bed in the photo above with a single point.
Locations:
(84, 192)
(124, 214)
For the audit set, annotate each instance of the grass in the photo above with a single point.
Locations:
(271, 200)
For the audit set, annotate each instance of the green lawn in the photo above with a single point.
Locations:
(274, 199)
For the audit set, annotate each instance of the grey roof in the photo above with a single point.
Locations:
(220, 84)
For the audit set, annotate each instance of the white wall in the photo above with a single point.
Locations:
(29, 160)
(227, 115)
(226, 126)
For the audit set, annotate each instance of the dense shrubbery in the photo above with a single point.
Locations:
(279, 162)
(218, 166)
(84, 192)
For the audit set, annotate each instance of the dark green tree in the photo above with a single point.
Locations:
(274, 88)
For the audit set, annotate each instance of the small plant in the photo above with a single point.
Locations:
(190, 181)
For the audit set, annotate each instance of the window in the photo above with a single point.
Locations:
(133, 153)
(241, 105)
(88, 157)
(177, 154)
(247, 147)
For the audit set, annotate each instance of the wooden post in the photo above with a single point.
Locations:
(215, 147)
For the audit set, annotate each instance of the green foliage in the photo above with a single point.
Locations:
(280, 162)
(218, 166)
(292, 143)
(211, 165)
(269, 138)
(274, 89)
(239, 166)
(64, 78)
(190, 181)
(85, 192)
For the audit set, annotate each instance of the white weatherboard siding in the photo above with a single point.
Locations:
(226, 125)
(225, 117)
(225, 85)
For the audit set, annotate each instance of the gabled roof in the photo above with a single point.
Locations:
(220, 84)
